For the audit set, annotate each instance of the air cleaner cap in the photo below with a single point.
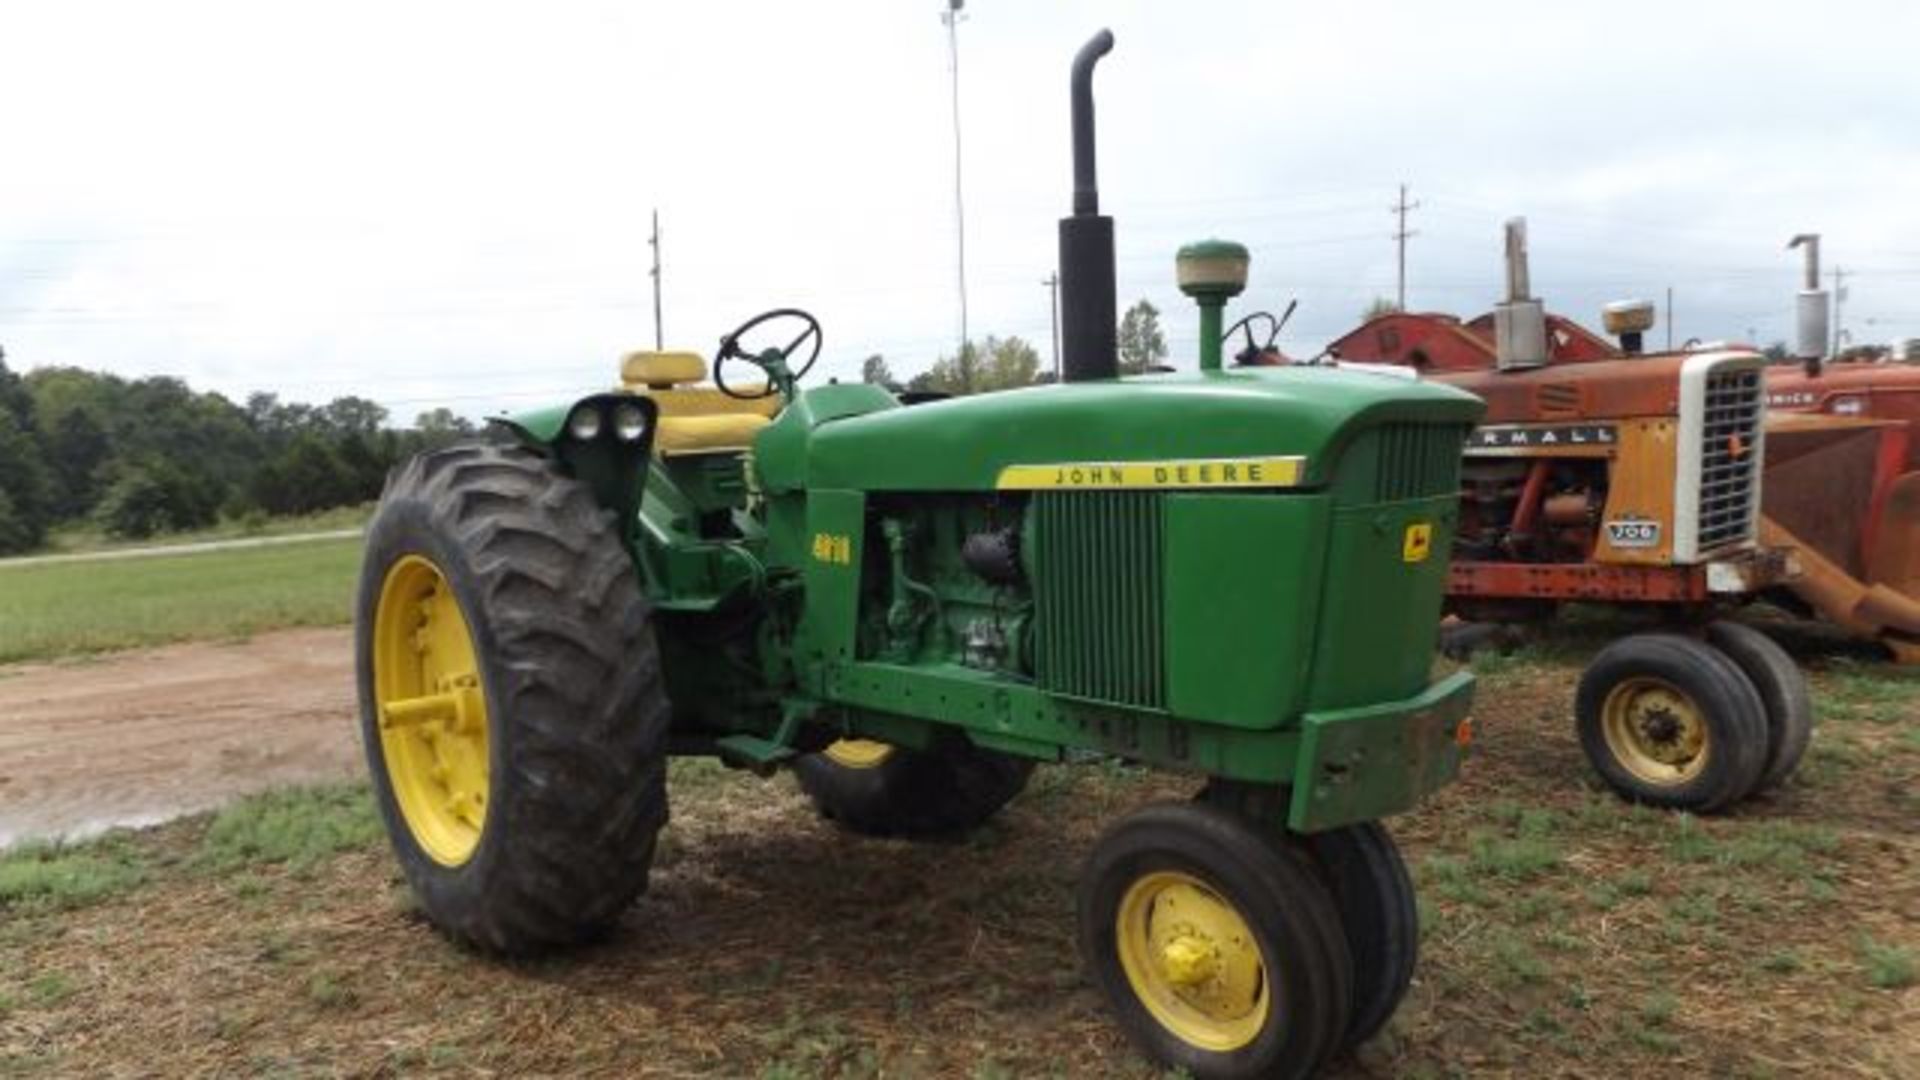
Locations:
(1628, 316)
(1212, 268)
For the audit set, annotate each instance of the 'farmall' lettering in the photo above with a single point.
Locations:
(1518, 437)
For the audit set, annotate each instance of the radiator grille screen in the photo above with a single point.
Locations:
(1098, 596)
(1729, 461)
(1419, 460)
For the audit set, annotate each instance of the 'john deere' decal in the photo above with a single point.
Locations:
(1633, 533)
(1256, 472)
(1553, 436)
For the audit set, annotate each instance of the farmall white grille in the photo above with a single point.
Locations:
(1730, 458)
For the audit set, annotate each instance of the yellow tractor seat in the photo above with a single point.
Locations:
(694, 419)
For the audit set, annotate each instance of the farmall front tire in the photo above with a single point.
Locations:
(1218, 946)
(510, 698)
(875, 789)
(1783, 692)
(1671, 722)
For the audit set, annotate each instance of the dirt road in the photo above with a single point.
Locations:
(164, 550)
(137, 738)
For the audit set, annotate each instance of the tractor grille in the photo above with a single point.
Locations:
(1097, 594)
(1419, 460)
(1730, 458)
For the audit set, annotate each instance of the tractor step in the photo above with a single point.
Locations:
(752, 751)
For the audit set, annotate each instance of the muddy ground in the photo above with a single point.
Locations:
(142, 737)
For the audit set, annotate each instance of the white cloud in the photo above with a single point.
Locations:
(424, 202)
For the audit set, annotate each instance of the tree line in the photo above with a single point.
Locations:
(1011, 362)
(139, 457)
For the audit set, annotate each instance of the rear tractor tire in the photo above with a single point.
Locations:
(1672, 722)
(1217, 944)
(876, 789)
(511, 701)
(1783, 692)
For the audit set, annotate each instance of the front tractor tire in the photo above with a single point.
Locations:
(1218, 945)
(1672, 722)
(511, 703)
(1783, 692)
(876, 789)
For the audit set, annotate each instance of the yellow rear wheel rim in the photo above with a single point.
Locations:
(1193, 961)
(858, 753)
(432, 710)
(1655, 731)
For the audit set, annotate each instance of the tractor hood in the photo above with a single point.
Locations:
(967, 444)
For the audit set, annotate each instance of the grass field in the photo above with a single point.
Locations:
(1564, 933)
(57, 609)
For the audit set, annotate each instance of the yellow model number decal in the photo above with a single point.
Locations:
(833, 548)
(1118, 475)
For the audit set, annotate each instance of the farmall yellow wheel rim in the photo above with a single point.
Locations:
(858, 753)
(1655, 731)
(1193, 961)
(433, 712)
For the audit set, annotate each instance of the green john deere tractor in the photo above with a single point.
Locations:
(1234, 575)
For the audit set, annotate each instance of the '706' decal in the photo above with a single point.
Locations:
(1633, 533)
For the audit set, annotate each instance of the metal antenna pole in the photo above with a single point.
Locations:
(1400, 237)
(654, 242)
(1839, 305)
(1052, 282)
(1669, 318)
(951, 17)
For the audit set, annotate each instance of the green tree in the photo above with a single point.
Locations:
(144, 500)
(23, 470)
(77, 449)
(959, 374)
(1377, 307)
(874, 370)
(1141, 343)
(440, 427)
(1010, 363)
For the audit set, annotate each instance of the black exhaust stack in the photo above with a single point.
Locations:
(1087, 319)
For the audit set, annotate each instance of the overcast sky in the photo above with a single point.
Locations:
(430, 203)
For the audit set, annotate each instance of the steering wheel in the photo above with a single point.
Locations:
(775, 361)
(1245, 327)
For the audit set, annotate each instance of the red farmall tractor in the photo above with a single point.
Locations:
(1606, 474)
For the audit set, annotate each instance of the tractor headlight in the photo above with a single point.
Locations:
(585, 423)
(629, 422)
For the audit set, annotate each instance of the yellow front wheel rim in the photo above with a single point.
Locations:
(858, 753)
(432, 710)
(1193, 961)
(1655, 731)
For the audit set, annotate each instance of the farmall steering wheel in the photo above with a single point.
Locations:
(1245, 327)
(775, 361)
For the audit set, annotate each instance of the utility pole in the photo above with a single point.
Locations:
(951, 17)
(654, 242)
(1400, 237)
(1839, 304)
(1052, 282)
(1669, 318)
